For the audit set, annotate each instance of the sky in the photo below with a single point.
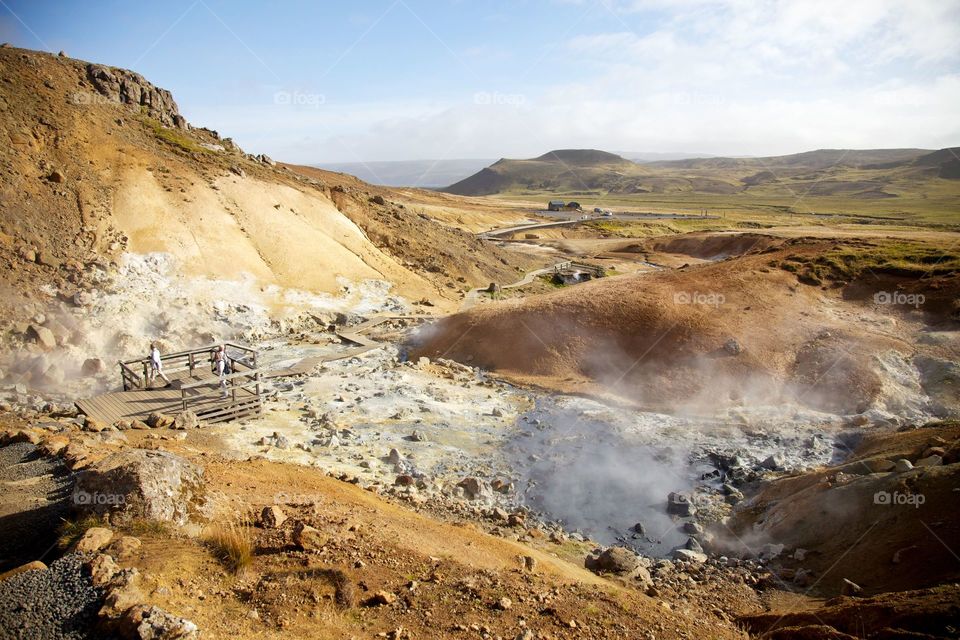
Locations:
(318, 82)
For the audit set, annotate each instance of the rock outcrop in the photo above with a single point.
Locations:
(138, 483)
(127, 87)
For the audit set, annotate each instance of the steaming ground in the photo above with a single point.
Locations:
(148, 298)
(592, 469)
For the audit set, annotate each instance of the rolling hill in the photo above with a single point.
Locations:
(846, 173)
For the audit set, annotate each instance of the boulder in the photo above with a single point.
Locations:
(775, 462)
(616, 560)
(308, 538)
(139, 425)
(473, 488)
(102, 570)
(92, 366)
(42, 336)
(903, 465)
(680, 504)
(93, 539)
(158, 420)
(186, 420)
(689, 556)
(154, 623)
(929, 461)
(272, 517)
(124, 547)
(140, 483)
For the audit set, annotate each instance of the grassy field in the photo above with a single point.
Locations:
(939, 207)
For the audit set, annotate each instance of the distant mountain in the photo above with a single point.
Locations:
(853, 173)
(656, 156)
(819, 159)
(568, 169)
(409, 173)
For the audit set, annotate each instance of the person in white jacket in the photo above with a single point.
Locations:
(156, 366)
(220, 366)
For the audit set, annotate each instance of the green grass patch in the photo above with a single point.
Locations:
(175, 137)
(896, 258)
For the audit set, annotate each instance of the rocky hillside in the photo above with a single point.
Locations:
(100, 163)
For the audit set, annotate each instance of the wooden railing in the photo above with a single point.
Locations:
(224, 398)
(135, 373)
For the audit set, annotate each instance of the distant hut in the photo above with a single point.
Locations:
(574, 206)
(555, 205)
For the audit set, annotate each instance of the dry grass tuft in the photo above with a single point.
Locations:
(233, 544)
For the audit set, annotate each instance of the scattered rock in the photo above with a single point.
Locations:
(929, 461)
(93, 539)
(616, 560)
(903, 465)
(159, 421)
(102, 570)
(680, 504)
(381, 598)
(473, 488)
(732, 347)
(308, 538)
(124, 547)
(272, 517)
(42, 336)
(153, 623)
(849, 588)
(775, 462)
(503, 604)
(186, 420)
(691, 556)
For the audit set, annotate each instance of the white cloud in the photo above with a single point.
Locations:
(713, 76)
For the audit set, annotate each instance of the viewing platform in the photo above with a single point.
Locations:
(193, 386)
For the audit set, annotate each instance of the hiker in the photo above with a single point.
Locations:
(220, 368)
(156, 366)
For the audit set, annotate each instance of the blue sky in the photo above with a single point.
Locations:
(413, 79)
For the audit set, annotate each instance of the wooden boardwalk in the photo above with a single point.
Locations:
(196, 387)
(140, 403)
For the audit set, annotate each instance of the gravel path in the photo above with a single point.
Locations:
(34, 499)
(58, 603)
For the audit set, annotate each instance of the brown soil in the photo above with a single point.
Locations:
(658, 339)
(847, 532)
